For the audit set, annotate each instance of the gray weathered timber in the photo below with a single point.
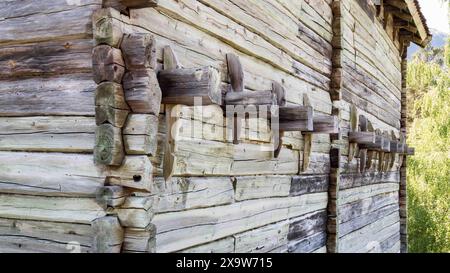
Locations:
(139, 51)
(107, 64)
(108, 148)
(308, 184)
(108, 235)
(296, 118)
(181, 86)
(140, 134)
(110, 103)
(142, 91)
(49, 58)
(73, 93)
(351, 180)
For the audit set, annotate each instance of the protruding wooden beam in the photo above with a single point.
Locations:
(108, 235)
(182, 86)
(108, 148)
(112, 196)
(142, 91)
(363, 125)
(106, 29)
(139, 51)
(399, 13)
(326, 125)
(296, 118)
(362, 138)
(110, 105)
(107, 64)
(140, 134)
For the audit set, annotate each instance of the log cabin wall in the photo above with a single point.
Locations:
(223, 197)
(371, 81)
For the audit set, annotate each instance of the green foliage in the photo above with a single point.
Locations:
(429, 132)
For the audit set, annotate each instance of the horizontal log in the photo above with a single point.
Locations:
(107, 30)
(139, 240)
(112, 196)
(307, 225)
(37, 96)
(140, 134)
(71, 175)
(108, 235)
(308, 184)
(296, 118)
(249, 98)
(110, 104)
(142, 91)
(262, 240)
(326, 125)
(139, 51)
(180, 230)
(181, 86)
(107, 64)
(15, 26)
(220, 246)
(47, 134)
(191, 193)
(108, 148)
(53, 209)
(254, 187)
(352, 180)
(309, 244)
(360, 193)
(136, 212)
(28, 236)
(47, 59)
(362, 138)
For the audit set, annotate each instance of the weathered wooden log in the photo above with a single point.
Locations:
(262, 240)
(110, 105)
(326, 125)
(137, 4)
(354, 123)
(107, 64)
(306, 184)
(296, 118)
(362, 138)
(139, 51)
(108, 145)
(108, 235)
(140, 134)
(140, 240)
(136, 212)
(142, 91)
(106, 29)
(112, 196)
(249, 98)
(183, 85)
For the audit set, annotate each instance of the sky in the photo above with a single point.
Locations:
(436, 14)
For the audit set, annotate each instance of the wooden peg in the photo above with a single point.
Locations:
(280, 95)
(363, 151)
(370, 153)
(354, 122)
(387, 151)
(236, 75)
(170, 63)
(307, 139)
(394, 143)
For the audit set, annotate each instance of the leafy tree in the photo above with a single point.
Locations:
(429, 132)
